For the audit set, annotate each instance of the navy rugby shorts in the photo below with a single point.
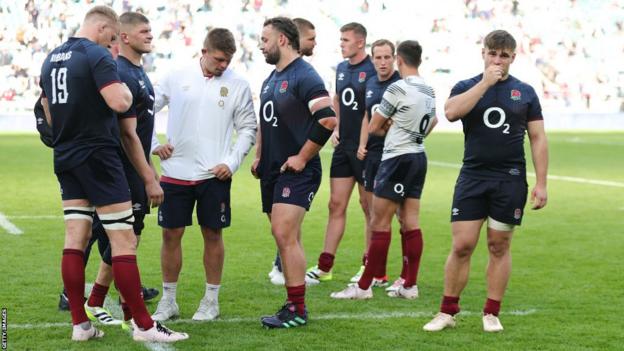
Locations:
(401, 177)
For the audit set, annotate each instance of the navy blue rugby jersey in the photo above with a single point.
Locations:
(351, 91)
(71, 78)
(374, 92)
(142, 107)
(285, 118)
(494, 129)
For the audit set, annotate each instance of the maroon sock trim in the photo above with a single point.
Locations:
(450, 305)
(492, 307)
(326, 261)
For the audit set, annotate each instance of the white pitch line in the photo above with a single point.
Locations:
(50, 216)
(584, 180)
(154, 346)
(8, 226)
(36, 217)
(115, 309)
(331, 316)
(550, 176)
(591, 142)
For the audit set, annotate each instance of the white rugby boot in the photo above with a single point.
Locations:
(166, 310)
(353, 292)
(208, 310)
(491, 323)
(440, 322)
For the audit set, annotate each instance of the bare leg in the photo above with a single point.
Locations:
(105, 274)
(368, 196)
(286, 224)
(499, 265)
(457, 269)
(171, 254)
(214, 254)
(340, 192)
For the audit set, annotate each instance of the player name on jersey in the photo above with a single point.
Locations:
(62, 56)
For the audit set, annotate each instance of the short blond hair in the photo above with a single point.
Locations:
(103, 12)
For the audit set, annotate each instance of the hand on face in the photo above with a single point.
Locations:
(492, 74)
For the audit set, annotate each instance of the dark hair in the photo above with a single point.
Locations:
(410, 51)
(220, 39)
(302, 24)
(132, 18)
(500, 39)
(287, 27)
(355, 27)
(381, 42)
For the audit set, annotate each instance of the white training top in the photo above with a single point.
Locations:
(203, 113)
(411, 105)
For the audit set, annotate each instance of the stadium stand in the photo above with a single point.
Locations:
(571, 50)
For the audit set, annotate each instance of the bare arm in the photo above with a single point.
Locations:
(335, 138)
(46, 110)
(256, 161)
(361, 152)
(539, 153)
(298, 162)
(117, 96)
(459, 105)
(434, 122)
(132, 146)
(379, 124)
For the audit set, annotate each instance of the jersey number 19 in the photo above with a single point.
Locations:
(59, 85)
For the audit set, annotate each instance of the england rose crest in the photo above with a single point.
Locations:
(286, 192)
(515, 95)
(362, 77)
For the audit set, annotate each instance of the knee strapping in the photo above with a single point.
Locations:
(79, 212)
(117, 221)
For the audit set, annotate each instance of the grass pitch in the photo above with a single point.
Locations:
(565, 291)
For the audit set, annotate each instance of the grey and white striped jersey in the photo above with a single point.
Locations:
(411, 105)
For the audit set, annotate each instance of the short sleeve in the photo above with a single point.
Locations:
(134, 89)
(534, 112)
(312, 86)
(459, 88)
(43, 95)
(390, 100)
(103, 67)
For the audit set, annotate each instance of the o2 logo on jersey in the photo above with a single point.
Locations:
(348, 99)
(268, 113)
(501, 121)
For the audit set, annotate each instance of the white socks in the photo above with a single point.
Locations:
(212, 292)
(169, 291)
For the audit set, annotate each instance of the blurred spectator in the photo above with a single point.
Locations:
(572, 49)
